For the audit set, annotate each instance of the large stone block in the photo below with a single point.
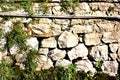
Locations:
(78, 51)
(99, 53)
(92, 39)
(49, 43)
(67, 40)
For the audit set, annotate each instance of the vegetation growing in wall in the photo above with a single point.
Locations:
(17, 36)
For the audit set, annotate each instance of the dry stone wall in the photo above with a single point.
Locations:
(61, 42)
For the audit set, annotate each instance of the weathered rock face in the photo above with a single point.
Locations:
(14, 49)
(49, 43)
(78, 51)
(33, 43)
(99, 53)
(43, 51)
(67, 40)
(63, 63)
(2, 43)
(108, 37)
(92, 39)
(113, 47)
(57, 54)
(110, 67)
(82, 29)
(85, 65)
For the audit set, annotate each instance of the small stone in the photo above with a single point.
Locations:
(57, 54)
(8, 59)
(14, 49)
(108, 37)
(33, 43)
(82, 29)
(78, 51)
(67, 40)
(20, 58)
(49, 43)
(7, 27)
(85, 65)
(99, 53)
(113, 47)
(98, 13)
(45, 21)
(43, 51)
(62, 21)
(92, 39)
(2, 43)
(21, 66)
(63, 63)
(110, 67)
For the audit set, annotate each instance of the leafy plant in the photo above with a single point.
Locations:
(99, 65)
(17, 36)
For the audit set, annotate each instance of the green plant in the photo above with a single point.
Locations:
(17, 36)
(110, 9)
(6, 71)
(69, 5)
(99, 65)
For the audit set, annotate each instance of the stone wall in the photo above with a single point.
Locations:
(61, 42)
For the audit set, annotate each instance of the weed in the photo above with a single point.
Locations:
(17, 36)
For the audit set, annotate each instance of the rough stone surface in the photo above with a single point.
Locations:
(92, 39)
(99, 53)
(8, 59)
(110, 67)
(63, 63)
(14, 49)
(2, 43)
(108, 37)
(57, 54)
(78, 51)
(85, 65)
(43, 51)
(62, 21)
(56, 29)
(44, 62)
(113, 56)
(33, 43)
(113, 47)
(20, 58)
(49, 43)
(67, 40)
(82, 28)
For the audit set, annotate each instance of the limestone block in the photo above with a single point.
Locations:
(20, 58)
(82, 28)
(109, 37)
(61, 21)
(14, 49)
(63, 63)
(110, 67)
(91, 39)
(57, 54)
(33, 43)
(43, 51)
(67, 40)
(113, 56)
(113, 47)
(99, 53)
(49, 43)
(56, 29)
(2, 43)
(79, 51)
(85, 65)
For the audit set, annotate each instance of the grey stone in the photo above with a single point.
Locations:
(113, 47)
(67, 40)
(63, 63)
(82, 28)
(110, 67)
(20, 58)
(108, 37)
(7, 27)
(2, 43)
(43, 51)
(99, 53)
(14, 49)
(33, 43)
(49, 43)
(79, 51)
(85, 65)
(57, 54)
(91, 39)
